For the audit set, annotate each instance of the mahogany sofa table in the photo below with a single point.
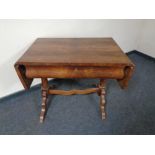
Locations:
(98, 58)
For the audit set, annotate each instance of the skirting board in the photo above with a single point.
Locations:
(141, 54)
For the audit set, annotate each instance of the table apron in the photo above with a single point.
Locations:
(74, 72)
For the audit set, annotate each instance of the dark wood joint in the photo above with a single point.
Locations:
(21, 72)
(128, 71)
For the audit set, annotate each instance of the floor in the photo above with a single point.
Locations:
(130, 111)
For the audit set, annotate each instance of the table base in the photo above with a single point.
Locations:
(46, 90)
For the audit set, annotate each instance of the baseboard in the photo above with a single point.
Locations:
(141, 54)
(130, 52)
(39, 85)
(20, 93)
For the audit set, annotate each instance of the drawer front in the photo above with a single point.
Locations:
(74, 72)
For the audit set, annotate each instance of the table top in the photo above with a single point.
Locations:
(75, 52)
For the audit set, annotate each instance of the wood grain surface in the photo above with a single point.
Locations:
(75, 52)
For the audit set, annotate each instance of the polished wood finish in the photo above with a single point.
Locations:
(59, 57)
(102, 98)
(74, 58)
(74, 72)
(73, 92)
(21, 71)
(44, 89)
(75, 52)
(128, 71)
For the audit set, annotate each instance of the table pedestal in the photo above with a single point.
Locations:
(46, 90)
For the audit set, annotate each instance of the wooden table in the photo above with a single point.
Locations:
(98, 58)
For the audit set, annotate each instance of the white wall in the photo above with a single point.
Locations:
(146, 42)
(17, 35)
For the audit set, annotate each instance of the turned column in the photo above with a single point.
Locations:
(44, 91)
(102, 97)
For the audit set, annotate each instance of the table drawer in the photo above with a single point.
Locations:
(74, 72)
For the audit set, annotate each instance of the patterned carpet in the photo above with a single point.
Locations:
(130, 111)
